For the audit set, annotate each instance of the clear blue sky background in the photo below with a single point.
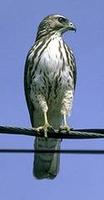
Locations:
(81, 176)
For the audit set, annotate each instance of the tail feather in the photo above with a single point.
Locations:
(46, 165)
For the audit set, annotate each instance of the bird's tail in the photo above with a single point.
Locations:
(46, 165)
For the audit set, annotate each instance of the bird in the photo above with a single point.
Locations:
(49, 84)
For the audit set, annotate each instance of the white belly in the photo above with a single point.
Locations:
(51, 83)
(52, 75)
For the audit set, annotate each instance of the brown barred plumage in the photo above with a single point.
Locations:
(50, 78)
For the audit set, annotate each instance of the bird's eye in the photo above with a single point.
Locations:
(62, 19)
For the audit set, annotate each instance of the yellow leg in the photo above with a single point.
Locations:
(65, 122)
(45, 118)
(65, 125)
(46, 125)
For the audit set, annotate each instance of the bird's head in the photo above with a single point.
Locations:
(54, 24)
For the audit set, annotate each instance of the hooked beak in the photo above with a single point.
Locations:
(71, 27)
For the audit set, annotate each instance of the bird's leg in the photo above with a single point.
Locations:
(65, 126)
(44, 109)
(66, 109)
(46, 125)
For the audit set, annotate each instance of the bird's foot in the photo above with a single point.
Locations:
(65, 129)
(45, 128)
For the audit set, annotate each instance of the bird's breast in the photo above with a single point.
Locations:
(53, 56)
(52, 73)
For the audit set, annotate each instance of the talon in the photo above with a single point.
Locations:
(65, 128)
(37, 129)
(45, 129)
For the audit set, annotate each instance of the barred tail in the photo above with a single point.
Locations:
(46, 165)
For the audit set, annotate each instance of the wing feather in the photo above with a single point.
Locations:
(27, 81)
(72, 63)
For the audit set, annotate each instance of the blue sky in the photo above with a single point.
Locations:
(81, 176)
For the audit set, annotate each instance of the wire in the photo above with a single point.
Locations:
(63, 151)
(72, 134)
(52, 133)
